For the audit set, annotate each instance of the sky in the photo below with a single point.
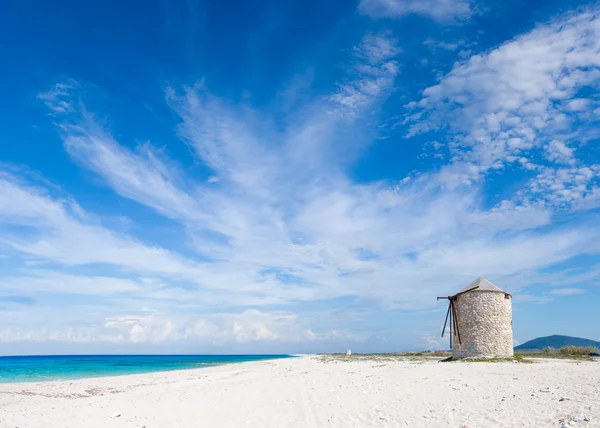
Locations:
(294, 177)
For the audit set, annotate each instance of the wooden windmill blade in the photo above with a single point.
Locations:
(446, 322)
(451, 324)
(451, 316)
(450, 321)
(455, 318)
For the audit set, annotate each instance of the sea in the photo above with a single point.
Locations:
(66, 367)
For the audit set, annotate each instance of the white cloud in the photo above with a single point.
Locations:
(375, 74)
(574, 187)
(58, 99)
(432, 342)
(142, 175)
(376, 49)
(76, 335)
(530, 298)
(578, 104)
(445, 11)
(37, 281)
(215, 329)
(282, 227)
(558, 152)
(285, 231)
(504, 107)
(64, 233)
(567, 291)
(447, 46)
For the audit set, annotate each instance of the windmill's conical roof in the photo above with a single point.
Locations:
(483, 285)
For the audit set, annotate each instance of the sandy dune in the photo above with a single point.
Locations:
(307, 392)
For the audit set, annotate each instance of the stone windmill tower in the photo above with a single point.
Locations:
(480, 318)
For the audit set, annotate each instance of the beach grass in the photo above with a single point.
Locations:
(527, 358)
(566, 352)
(524, 357)
(386, 357)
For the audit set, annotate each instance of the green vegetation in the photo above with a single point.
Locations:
(577, 350)
(525, 357)
(519, 358)
(389, 357)
(569, 352)
(442, 356)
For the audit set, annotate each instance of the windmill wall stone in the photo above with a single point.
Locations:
(484, 317)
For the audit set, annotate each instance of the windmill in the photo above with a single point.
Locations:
(479, 320)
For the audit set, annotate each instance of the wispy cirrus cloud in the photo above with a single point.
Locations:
(567, 291)
(277, 228)
(61, 231)
(374, 75)
(140, 175)
(444, 11)
(58, 98)
(315, 232)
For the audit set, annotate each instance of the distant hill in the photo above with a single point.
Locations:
(556, 341)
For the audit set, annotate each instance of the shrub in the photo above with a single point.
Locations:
(440, 353)
(577, 350)
(549, 350)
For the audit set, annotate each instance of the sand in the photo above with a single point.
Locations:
(307, 392)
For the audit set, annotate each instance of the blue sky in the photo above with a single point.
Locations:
(293, 176)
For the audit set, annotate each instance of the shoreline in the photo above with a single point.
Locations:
(104, 372)
(131, 376)
(309, 392)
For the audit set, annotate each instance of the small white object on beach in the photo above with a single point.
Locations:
(116, 415)
(573, 421)
(348, 352)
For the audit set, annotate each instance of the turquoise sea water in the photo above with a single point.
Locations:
(62, 367)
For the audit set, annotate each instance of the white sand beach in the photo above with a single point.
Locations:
(307, 392)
